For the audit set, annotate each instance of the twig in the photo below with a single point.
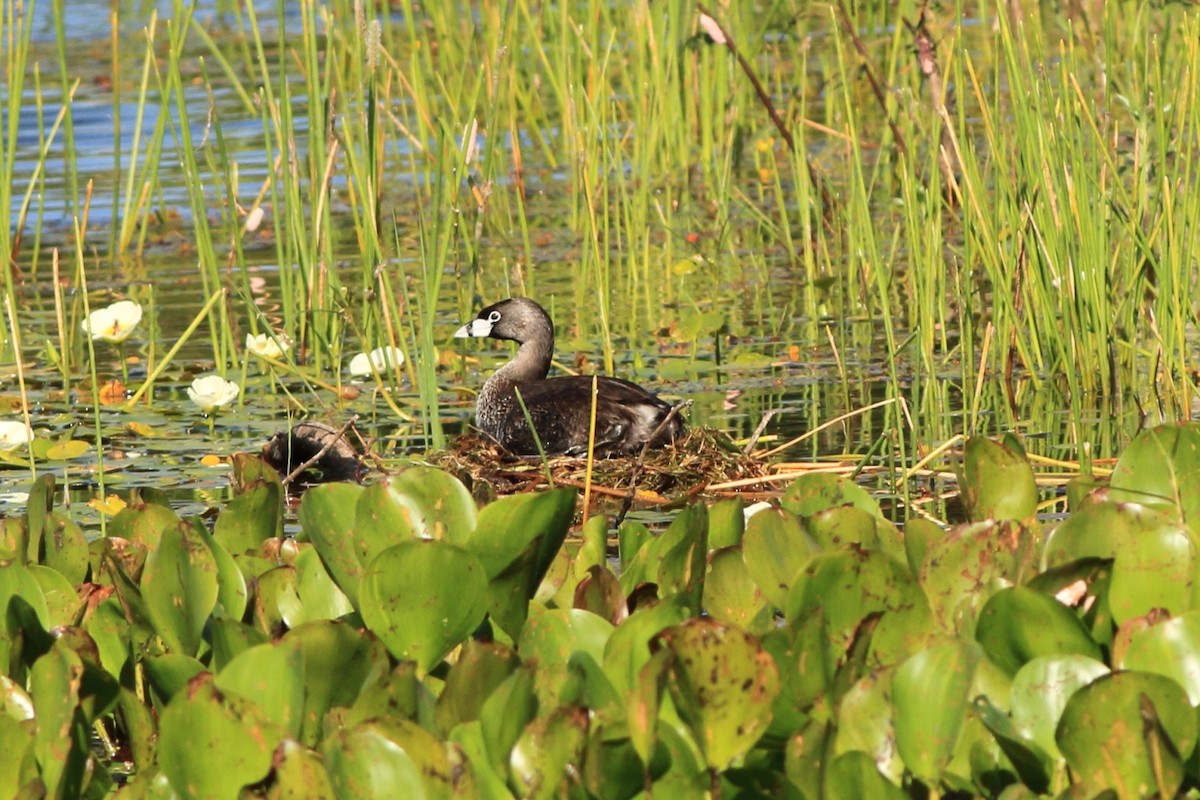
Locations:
(640, 464)
(876, 85)
(762, 424)
(718, 34)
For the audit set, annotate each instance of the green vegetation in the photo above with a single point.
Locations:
(409, 644)
(995, 202)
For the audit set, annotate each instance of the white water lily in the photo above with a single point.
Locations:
(381, 358)
(113, 323)
(212, 391)
(268, 346)
(13, 434)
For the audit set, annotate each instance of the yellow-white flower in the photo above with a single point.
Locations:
(268, 346)
(212, 391)
(13, 434)
(113, 323)
(381, 358)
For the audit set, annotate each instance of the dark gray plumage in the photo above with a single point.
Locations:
(627, 416)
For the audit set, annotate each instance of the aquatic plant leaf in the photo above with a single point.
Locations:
(726, 523)
(250, 518)
(600, 593)
(368, 761)
(63, 603)
(851, 585)
(320, 597)
(1032, 763)
(505, 714)
(398, 695)
(920, 535)
(277, 604)
(64, 548)
(815, 492)
(723, 684)
(1170, 648)
(832, 528)
(731, 595)
(327, 518)
(612, 769)
(179, 587)
(1153, 569)
(929, 692)
(169, 673)
(628, 646)
(143, 523)
(16, 580)
(516, 540)
(212, 743)
(1130, 730)
(551, 637)
(776, 548)
(300, 774)
(427, 503)
(1161, 468)
(229, 637)
(271, 677)
(422, 598)
(548, 756)
(865, 723)
(61, 738)
(682, 551)
(1018, 624)
(17, 743)
(232, 594)
(478, 778)
(997, 482)
(481, 668)
(854, 775)
(1040, 691)
(644, 704)
(339, 660)
(969, 563)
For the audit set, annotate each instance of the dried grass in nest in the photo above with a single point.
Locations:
(664, 477)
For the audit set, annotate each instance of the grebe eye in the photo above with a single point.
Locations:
(494, 317)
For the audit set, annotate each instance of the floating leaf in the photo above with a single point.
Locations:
(250, 518)
(969, 563)
(549, 754)
(369, 761)
(481, 668)
(327, 515)
(339, 660)
(997, 482)
(1040, 691)
(1172, 649)
(1161, 468)
(422, 598)
(730, 594)
(776, 548)
(516, 540)
(212, 743)
(723, 684)
(852, 585)
(272, 678)
(551, 638)
(930, 694)
(1131, 730)
(1017, 625)
(854, 776)
(179, 587)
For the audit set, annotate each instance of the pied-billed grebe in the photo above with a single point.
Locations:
(627, 416)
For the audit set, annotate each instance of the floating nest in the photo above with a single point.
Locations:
(664, 477)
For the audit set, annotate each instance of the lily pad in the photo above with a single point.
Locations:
(1161, 468)
(997, 482)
